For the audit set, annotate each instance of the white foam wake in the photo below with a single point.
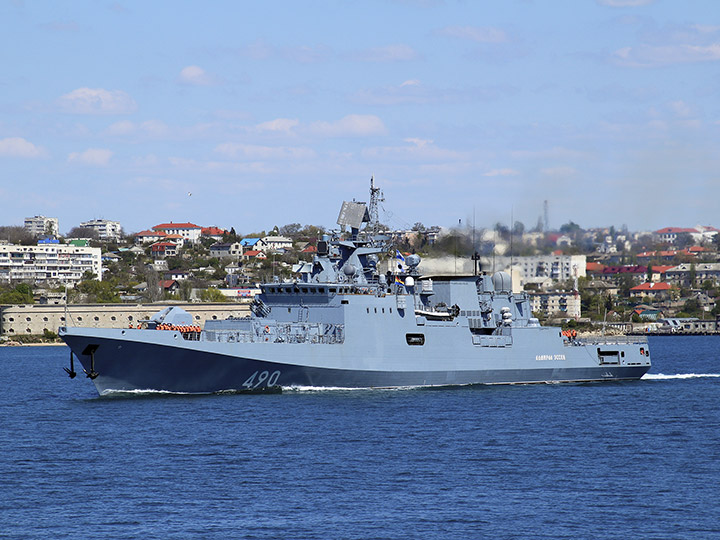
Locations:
(663, 377)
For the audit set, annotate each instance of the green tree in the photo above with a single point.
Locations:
(212, 295)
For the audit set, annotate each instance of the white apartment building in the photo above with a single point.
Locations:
(540, 267)
(189, 231)
(42, 226)
(557, 303)
(106, 229)
(59, 263)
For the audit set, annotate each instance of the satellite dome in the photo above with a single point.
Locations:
(349, 270)
(409, 281)
(412, 260)
(502, 282)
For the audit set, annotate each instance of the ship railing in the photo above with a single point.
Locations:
(608, 340)
(281, 333)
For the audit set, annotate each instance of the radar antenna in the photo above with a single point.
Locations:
(376, 197)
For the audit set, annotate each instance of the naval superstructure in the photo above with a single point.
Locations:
(343, 322)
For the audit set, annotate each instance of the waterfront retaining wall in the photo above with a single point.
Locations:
(35, 319)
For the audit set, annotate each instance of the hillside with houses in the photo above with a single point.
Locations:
(571, 274)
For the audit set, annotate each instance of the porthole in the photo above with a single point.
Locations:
(97, 318)
(28, 319)
(79, 318)
(45, 319)
(415, 339)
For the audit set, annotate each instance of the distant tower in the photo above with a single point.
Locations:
(546, 219)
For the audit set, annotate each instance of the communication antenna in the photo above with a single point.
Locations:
(546, 218)
(376, 197)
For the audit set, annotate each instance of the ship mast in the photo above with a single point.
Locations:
(376, 197)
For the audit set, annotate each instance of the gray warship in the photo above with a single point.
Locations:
(344, 323)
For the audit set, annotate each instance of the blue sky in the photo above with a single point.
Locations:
(270, 113)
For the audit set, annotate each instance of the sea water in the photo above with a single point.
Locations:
(605, 460)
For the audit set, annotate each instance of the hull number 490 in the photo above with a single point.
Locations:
(261, 378)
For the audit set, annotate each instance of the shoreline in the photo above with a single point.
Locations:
(14, 344)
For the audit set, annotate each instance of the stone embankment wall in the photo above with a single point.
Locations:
(35, 319)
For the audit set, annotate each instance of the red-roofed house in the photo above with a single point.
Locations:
(612, 272)
(189, 231)
(653, 290)
(161, 250)
(254, 254)
(215, 233)
(658, 273)
(699, 234)
(146, 237)
(169, 285)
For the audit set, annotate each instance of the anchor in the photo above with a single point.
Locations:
(71, 372)
(90, 349)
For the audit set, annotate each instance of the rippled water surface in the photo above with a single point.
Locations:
(611, 460)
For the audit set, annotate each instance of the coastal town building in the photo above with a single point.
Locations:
(538, 268)
(49, 263)
(215, 233)
(693, 274)
(189, 231)
(160, 250)
(148, 237)
(699, 234)
(42, 226)
(660, 291)
(556, 303)
(106, 229)
(223, 251)
(276, 244)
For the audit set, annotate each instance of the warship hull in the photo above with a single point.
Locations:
(147, 360)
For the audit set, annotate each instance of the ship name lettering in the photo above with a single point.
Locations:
(550, 357)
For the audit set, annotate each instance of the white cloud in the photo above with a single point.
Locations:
(257, 152)
(97, 101)
(561, 171)
(352, 125)
(303, 54)
(662, 55)
(502, 172)
(91, 156)
(478, 34)
(388, 53)
(413, 91)
(149, 128)
(196, 76)
(124, 127)
(19, 147)
(420, 150)
(284, 125)
(680, 108)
